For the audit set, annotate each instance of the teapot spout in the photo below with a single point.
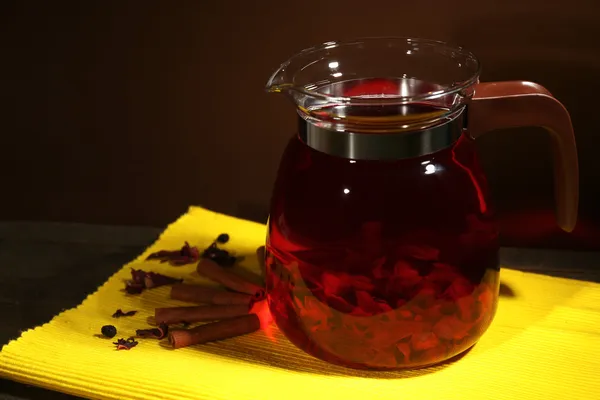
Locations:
(280, 81)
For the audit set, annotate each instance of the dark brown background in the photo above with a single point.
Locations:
(126, 112)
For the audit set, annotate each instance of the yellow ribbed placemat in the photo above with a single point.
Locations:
(543, 344)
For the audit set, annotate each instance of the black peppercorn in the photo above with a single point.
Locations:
(223, 238)
(109, 331)
(220, 256)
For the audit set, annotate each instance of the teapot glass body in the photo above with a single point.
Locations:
(382, 264)
(382, 249)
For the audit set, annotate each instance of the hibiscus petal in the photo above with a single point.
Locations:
(420, 252)
(402, 352)
(460, 287)
(332, 285)
(451, 328)
(424, 341)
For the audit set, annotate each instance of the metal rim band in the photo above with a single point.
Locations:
(369, 146)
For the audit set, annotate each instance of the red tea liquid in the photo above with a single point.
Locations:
(382, 264)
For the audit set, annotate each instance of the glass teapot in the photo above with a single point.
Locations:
(382, 249)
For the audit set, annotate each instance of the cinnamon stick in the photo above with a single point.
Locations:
(214, 272)
(214, 331)
(176, 315)
(203, 294)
